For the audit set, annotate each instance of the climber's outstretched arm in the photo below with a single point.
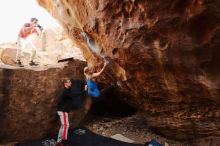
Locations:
(97, 73)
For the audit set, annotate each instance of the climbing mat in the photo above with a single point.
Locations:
(80, 136)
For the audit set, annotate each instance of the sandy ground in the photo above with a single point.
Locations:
(133, 127)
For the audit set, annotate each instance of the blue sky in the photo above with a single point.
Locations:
(14, 13)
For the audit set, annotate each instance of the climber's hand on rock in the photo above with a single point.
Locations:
(83, 34)
(106, 61)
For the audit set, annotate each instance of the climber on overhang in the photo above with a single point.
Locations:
(89, 73)
(91, 76)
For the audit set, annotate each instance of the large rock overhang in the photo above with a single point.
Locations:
(167, 51)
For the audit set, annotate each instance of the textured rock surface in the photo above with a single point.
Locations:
(28, 99)
(167, 50)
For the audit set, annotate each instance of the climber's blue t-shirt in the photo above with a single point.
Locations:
(92, 88)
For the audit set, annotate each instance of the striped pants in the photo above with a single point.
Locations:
(64, 119)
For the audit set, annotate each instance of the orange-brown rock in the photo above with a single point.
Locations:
(167, 50)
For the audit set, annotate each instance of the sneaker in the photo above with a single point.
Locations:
(32, 63)
(18, 63)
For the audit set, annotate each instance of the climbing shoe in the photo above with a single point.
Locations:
(32, 63)
(18, 63)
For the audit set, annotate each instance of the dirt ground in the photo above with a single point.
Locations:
(132, 127)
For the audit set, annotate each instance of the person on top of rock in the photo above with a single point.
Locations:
(92, 87)
(72, 97)
(24, 38)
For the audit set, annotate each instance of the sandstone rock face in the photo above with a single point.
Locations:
(55, 42)
(28, 101)
(167, 50)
